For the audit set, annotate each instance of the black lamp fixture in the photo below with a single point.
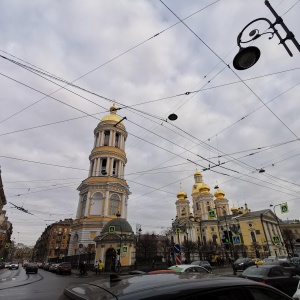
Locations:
(248, 56)
(261, 171)
(172, 117)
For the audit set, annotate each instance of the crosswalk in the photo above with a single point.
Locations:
(8, 279)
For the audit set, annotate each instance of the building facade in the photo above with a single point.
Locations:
(54, 241)
(6, 228)
(212, 228)
(104, 194)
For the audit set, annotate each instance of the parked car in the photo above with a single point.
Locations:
(47, 266)
(64, 267)
(189, 269)
(287, 265)
(242, 264)
(53, 267)
(297, 294)
(296, 261)
(14, 265)
(283, 257)
(7, 264)
(31, 268)
(202, 263)
(2, 265)
(174, 286)
(40, 265)
(275, 276)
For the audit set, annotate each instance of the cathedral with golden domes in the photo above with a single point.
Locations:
(208, 226)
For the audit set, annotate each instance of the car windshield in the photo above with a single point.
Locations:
(255, 271)
(240, 260)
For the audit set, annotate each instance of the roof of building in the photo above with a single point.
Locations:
(121, 225)
(255, 213)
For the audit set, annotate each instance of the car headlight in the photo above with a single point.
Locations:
(241, 264)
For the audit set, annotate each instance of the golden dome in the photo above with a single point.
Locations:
(181, 194)
(112, 116)
(219, 194)
(197, 173)
(234, 208)
(204, 188)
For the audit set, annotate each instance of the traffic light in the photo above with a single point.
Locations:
(225, 237)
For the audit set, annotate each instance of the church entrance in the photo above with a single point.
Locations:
(110, 260)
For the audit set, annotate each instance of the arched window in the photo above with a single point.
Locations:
(83, 206)
(253, 237)
(106, 138)
(114, 204)
(97, 203)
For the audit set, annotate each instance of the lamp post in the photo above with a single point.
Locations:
(247, 57)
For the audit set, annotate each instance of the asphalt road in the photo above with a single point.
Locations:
(17, 285)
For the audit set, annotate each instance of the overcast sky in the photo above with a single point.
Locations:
(111, 50)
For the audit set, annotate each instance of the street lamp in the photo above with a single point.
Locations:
(247, 57)
(271, 205)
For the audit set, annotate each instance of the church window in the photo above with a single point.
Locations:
(96, 139)
(83, 206)
(214, 237)
(197, 205)
(106, 137)
(117, 140)
(115, 168)
(114, 204)
(103, 167)
(96, 207)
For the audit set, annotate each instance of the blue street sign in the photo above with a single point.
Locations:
(176, 248)
(236, 239)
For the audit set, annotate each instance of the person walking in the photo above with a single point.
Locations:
(101, 266)
(119, 267)
(96, 267)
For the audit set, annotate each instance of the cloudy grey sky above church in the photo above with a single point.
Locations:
(139, 55)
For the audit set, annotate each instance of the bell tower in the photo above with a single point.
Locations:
(104, 194)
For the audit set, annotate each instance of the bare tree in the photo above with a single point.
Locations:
(146, 248)
(289, 237)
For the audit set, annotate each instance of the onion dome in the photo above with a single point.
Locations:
(219, 194)
(120, 225)
(181, 194)
(234, 209)
(197, 173)
(112, 116)
(204, 188)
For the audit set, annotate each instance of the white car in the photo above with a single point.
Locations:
(189, 269)
(297, 294)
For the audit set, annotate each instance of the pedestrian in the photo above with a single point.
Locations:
(96, 267)
(119, 266)
(101, 266)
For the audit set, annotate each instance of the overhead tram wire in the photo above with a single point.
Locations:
(131, 134)
(114, 58)
(248, 87)
(67, 104)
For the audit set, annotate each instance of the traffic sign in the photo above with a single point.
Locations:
(236, 240)
(211, 214)
(276, 239)
(284, 208)
(177, 248)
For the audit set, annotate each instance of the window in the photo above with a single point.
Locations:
(264, 294)
(103, 167)
(106, 137)
(83, 206)
(114, 204)
(64, 237)
(115, 168)
(275, 272)
(257, 231)
(197, 205)
(253, 237)
(117, 140)
(65, 230)
(97, 203)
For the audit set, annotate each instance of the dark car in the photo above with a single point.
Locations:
(242, 264)
(2, 265)
(275, 276)
(31, 268)
(287, 265)
(203, 263)
(182, 286)
(64, 267)
(14, 265)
